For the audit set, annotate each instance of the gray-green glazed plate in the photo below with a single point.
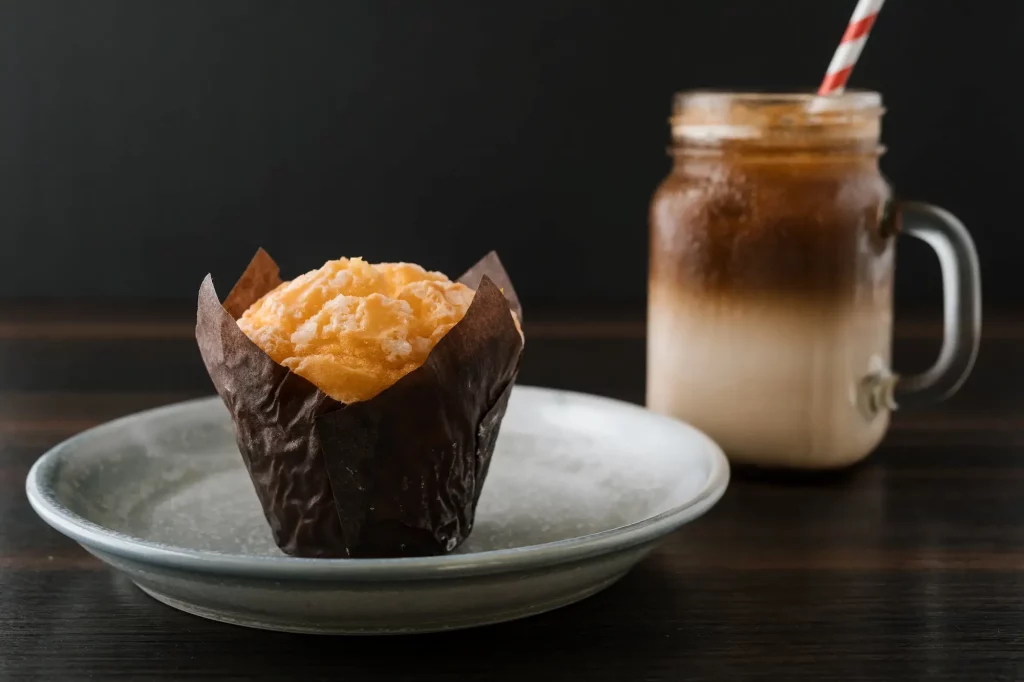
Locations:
(580, 489)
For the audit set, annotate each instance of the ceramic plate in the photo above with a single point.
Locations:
(580, 489)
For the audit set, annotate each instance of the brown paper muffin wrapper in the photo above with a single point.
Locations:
(397, 475)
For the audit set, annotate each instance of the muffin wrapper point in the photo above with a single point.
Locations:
(397, 475)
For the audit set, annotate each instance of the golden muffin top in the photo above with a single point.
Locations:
(354, 328)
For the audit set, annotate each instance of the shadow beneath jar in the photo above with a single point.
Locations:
(800, 477)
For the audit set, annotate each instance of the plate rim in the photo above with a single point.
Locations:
(92, 535)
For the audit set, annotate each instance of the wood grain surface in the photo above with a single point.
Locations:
(909, 566)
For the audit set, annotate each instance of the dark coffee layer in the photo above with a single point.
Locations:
(805, 227)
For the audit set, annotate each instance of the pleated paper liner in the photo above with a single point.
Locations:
(397, 475)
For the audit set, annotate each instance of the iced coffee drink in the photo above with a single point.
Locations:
(771, 276)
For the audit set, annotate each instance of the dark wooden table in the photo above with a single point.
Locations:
(911, 566)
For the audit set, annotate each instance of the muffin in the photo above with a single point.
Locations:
(366, 398)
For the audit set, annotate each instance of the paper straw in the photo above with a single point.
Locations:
(850, 47)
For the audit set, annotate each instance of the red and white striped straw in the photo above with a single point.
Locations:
(850, 47)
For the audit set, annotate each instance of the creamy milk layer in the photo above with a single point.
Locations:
(775, 383)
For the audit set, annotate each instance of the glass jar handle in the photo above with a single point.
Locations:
(961, 285)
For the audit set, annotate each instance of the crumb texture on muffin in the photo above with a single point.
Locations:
(354, 328)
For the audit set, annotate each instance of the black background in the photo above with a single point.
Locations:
(145, 143)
